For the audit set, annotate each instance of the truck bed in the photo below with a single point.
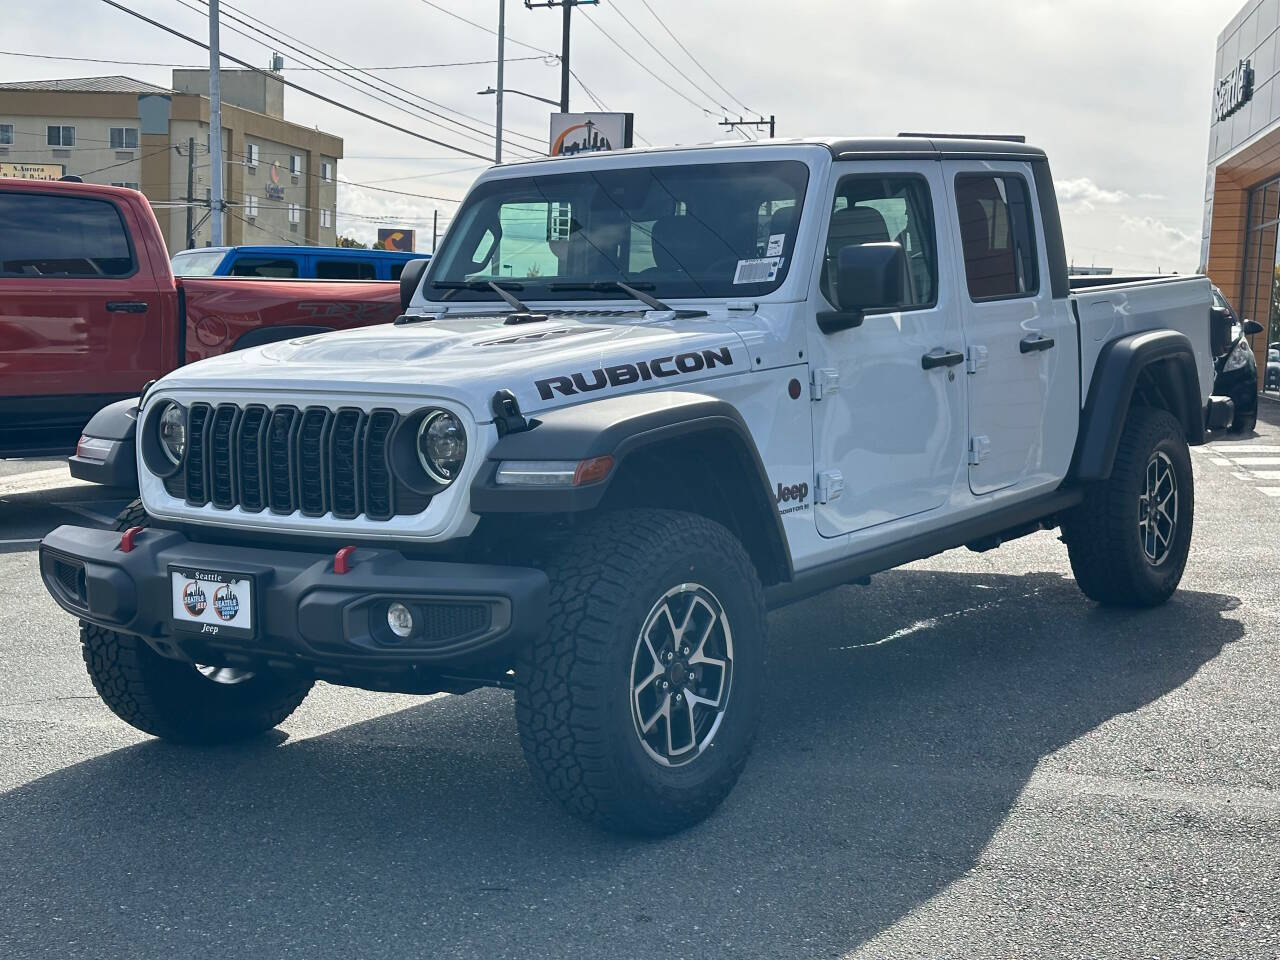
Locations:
(1130, 305)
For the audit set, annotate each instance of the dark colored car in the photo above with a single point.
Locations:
(1236, 370)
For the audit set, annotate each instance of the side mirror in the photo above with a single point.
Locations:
(1251, 327)
(869, 277)
(410, 277)
(1219, 330)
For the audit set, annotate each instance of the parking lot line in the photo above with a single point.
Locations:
(1270, 491)
(1257, 461)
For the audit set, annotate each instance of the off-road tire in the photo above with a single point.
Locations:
(1103, 541)
(574, 685)
(170, 698)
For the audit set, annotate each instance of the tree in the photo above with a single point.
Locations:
(351, 242)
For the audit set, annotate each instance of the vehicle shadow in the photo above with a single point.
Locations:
(904, 720)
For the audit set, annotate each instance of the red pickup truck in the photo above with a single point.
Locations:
(90, 311)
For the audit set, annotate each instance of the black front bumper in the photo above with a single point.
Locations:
(469, 618)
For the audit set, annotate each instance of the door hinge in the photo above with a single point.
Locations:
(975, 358)
(823, 383)
(829, 485)
(979, 450)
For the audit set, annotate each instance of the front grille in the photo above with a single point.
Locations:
(285, 459)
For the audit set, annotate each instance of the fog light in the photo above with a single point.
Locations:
(400, 620)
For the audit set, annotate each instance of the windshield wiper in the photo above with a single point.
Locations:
(480, 285)
(636, 291)
(500, 289)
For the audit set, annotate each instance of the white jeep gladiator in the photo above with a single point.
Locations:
(637, 400)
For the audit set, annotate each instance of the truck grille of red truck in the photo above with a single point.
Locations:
(313, 461)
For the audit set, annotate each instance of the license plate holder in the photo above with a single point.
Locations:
(213, 603)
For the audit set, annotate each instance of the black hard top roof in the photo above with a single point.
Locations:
(935, 147)
(903, 147)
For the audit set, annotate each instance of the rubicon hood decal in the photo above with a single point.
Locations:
(467, 358)
(624, 373)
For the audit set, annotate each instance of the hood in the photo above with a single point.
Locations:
(574, 354)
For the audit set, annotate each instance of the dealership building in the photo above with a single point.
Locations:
(279, 180)
(1242, 190)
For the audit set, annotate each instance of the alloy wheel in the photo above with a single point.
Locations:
(1158, 509)
(681, 674)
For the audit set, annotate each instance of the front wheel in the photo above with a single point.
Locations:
(1128, 541)
(638, 705)
(180, 701)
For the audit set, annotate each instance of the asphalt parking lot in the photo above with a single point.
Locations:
(964, 759)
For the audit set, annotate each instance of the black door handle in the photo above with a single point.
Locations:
(941, 358)
(1034, 342)
(126, 306)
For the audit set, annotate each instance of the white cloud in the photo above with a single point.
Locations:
(1083, 192)
(1175, 238)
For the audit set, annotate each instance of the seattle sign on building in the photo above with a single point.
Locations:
(1234, 90)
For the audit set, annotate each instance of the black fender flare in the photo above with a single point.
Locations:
(1169, 355)
(116, 423)
(619, 427)
(261, 335)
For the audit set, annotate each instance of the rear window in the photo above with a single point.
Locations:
(48, 236)
(346, 270)
(197, 263)
(281, 268)
(998, 236)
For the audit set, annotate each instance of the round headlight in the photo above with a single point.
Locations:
(442, 446)
(173, 431)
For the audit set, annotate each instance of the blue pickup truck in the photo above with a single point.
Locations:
(293, 262)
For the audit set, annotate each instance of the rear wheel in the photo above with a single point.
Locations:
(177, 700)
(1128, 541)
(638, 706)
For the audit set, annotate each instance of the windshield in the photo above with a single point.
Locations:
(197, 263)
(699, 230)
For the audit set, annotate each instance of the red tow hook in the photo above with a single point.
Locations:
(128, 537)
(342, 560)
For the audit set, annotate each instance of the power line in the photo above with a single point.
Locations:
(201, 66)
(489, 30)
(297, 86)
(652, 46)
(631, 56)
(662, 23)
(365, 186)
(478, 136)
(331, 58)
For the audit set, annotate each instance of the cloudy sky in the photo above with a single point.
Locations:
(1117, 92)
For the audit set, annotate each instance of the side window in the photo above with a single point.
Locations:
(871, 209)
(279, 267)
(998, 236)
(346, 270)
(48, 236)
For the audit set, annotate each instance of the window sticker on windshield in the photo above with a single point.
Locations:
(760, 270)
(776, 241)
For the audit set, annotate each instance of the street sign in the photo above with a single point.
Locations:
(32, 171)
(392, 239)
(590, 132)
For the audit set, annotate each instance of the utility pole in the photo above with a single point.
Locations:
(502, 36)
(567, 6)
(759, 124)
(191, 187)
(435, 220)
(216, 203)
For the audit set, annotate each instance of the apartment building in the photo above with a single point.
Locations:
(279, 179)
